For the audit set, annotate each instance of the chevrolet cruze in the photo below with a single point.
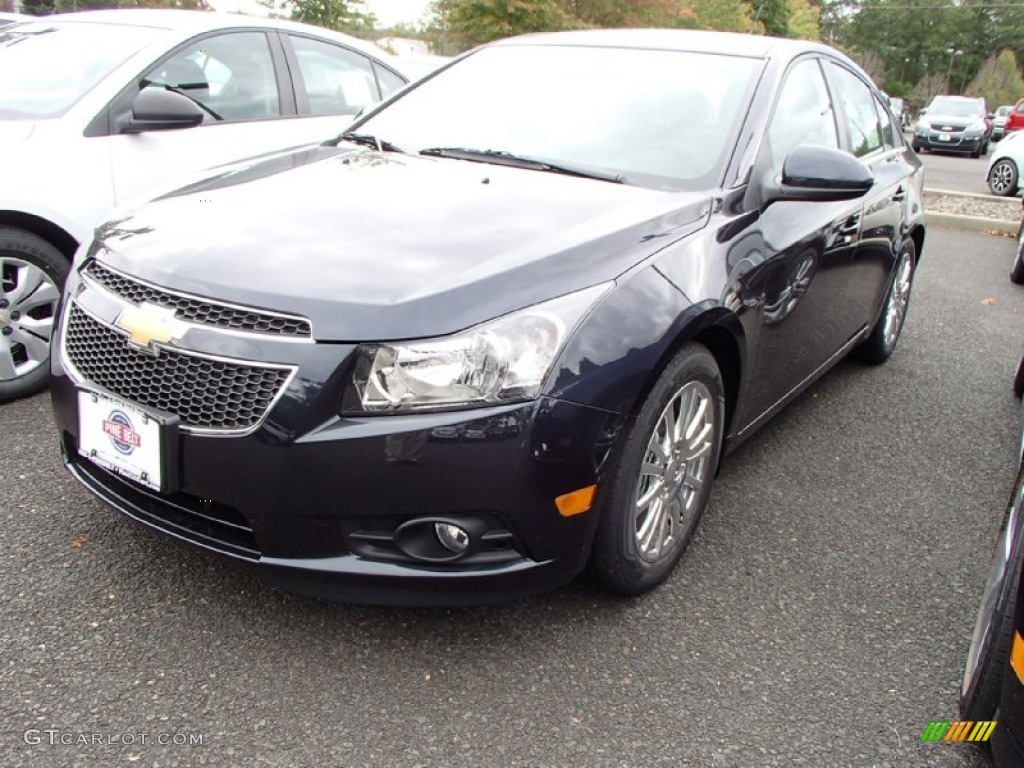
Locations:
(505, 328)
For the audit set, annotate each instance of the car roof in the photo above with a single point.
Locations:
(195, 22)
(696, 41)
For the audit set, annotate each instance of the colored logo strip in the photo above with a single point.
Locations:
(959, 730)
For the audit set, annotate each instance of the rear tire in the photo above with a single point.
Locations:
(659, 479)
(32, 275)
(882, 340)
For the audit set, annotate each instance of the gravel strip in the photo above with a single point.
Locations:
(1008, 210)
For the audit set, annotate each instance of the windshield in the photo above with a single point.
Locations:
(46, 67)
(653, 117)
(956, 107)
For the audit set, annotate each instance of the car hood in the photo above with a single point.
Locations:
(384, 246)
(939, 118)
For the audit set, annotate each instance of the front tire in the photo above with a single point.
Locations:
(32, 274)
(660, 477)
(882, 340)
(1017, 270)
(1002, 178)
(990, 642)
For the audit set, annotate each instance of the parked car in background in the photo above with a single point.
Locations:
(153, 95)
(1005, 164)
(999, 119)
(1015, 120)
(993, 683)
(11, 18)
(954, 124)
(603, 258)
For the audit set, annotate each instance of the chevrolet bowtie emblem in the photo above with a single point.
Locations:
(148, 325)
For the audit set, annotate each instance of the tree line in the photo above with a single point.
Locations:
(914, 49)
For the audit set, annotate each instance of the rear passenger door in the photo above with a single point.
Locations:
(874, 138)
(334, 83)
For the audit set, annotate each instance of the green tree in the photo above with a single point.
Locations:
(721, 15)
(773, 15)
(615, 13)
(467, 23)
(998, 80)
(927, 88)
(37, 7)
(342, 15)
(804, 20)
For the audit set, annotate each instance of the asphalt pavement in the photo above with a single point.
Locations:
(820, 618)
(956, 172)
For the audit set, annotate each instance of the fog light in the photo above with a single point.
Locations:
(452, 537)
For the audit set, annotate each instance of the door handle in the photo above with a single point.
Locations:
(900, 196)
(850, 226)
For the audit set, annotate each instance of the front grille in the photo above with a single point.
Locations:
(203, 393)
(196, 310)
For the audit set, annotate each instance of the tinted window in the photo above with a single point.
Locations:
(338, 81)
(663, 118)
(36, 79)
(231, 75)
(803, 113)
(858, 102)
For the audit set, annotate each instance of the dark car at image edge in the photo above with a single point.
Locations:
(993, 682)
(600, 281)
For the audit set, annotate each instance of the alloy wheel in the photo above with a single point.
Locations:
(28, 307)
(674, 471)
(1002, 178)
(899, 298)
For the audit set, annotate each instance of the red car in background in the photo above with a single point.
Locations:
(1015, 120)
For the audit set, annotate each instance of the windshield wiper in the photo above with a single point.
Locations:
(501, 157)
(381, 145)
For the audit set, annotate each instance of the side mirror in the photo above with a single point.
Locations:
(812, 173)
(157, 109)
(990, 116)
(922, 112)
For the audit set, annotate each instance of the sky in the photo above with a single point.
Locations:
(389, 12)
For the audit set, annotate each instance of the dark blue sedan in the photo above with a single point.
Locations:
(502, 330)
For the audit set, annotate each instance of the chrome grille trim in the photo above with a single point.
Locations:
(201, 311)
(285, 374)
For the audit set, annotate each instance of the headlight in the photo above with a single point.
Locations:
(923, 125)
(500, 361)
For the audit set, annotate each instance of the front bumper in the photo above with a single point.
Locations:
(314, 501)
(954, 142)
